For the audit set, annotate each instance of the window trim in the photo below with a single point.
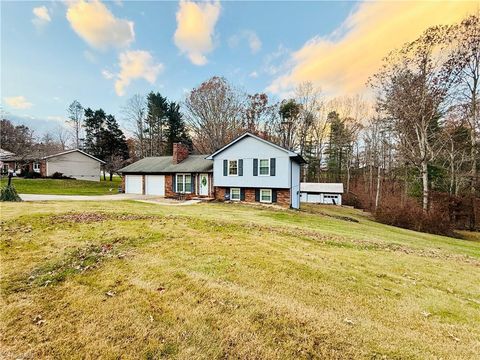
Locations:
(183, 175)
(259, 172)
(36, 166)
(228, 172)
(239, 194)
(271, 196)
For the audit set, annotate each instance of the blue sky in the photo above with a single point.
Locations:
(53, 53)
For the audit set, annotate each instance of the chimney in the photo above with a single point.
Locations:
(180, 152)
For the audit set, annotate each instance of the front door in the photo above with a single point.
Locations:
(203, 190)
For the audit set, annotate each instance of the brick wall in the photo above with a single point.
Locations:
(283, 195)
(168, 186)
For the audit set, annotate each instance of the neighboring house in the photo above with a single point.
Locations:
(252, 169)
(4, 154)
(72, 163)
(321, 193)
(178, 175)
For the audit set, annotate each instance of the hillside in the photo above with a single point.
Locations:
(129, 279)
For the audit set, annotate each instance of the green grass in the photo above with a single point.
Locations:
(64, 187)
(136, 280)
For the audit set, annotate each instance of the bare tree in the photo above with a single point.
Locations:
(134, 113)
(413, 90)
(215, 114)
(75, 116)
(62, 136)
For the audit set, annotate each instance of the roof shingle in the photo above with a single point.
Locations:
(164, 164)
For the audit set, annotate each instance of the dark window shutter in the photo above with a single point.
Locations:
(257, 194)
(242, 194)
(227, 194)
(274, 195)
(174, 179)
(225, 167)
(255, 167)
(240, 167)
(192, 176)
(272, 167)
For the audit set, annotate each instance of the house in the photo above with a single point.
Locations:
(4, 154)
(252, 169)
(72, 163)
(321, 193)
(172, 176)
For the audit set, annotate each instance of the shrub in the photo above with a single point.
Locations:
(411, 216)
(57, 175)
(9, 193)
(350, 199)
(32, 175)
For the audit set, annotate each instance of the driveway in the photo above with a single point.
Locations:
(117, 197)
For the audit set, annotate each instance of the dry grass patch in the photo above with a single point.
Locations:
(226, 281)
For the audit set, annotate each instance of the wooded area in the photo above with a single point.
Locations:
(409, 153)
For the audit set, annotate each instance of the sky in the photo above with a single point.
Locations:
(103, 52)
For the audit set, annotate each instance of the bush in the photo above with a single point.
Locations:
(57, 175)
(411, 216)
(9, 193)
(350, 199)
(32, 175)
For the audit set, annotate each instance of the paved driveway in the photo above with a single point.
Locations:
(116, 197)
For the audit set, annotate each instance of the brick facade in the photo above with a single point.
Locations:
(283, 195)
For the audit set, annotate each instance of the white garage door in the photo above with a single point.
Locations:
(133, 184)
(155, 185)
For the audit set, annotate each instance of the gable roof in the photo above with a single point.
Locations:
(290, 153)
(74, 150)
(164, 164)
(321, 187)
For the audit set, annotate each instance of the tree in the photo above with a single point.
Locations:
(214, 113)
(17, 139)
(413, 90)
(156, 124)
(135, 113)
(75, 116)
(289, 123)
(62, 136)
(176, 129)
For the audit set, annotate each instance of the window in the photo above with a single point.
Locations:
(264, 167)
(266, 195)
(184, 183)
(36, 166)
(233, 167)
(235, 194)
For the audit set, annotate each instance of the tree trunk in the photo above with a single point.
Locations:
(377, 196)
(424, 170)
(111, 175)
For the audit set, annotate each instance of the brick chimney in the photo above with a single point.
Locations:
(180, 152)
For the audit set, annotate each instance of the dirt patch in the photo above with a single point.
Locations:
(93, 217)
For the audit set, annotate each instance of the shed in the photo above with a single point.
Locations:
(321, 193)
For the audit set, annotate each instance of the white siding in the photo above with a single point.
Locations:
(74, 164)
(295, 190)
(248, 149)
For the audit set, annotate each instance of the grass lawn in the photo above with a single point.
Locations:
(64, 187)
(135, 280)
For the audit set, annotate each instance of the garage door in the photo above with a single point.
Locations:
(155, 185)
(133, 184)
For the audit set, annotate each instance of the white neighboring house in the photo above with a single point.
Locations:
(321, 193)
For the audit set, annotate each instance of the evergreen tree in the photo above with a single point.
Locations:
(176, 131)
(156, 123)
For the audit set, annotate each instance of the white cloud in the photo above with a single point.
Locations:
(18, 102)
(138, 64)
(42, 17)
(254, 42)
(253, 74)
(195, 29)
(95, 24)
(57, 118)
(107, 74)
